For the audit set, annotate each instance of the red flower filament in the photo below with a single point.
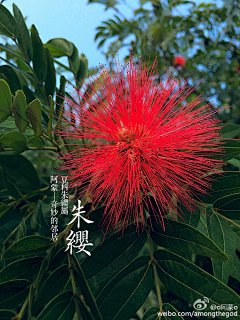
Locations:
(138, 140)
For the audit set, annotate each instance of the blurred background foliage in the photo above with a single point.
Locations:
(33, 81)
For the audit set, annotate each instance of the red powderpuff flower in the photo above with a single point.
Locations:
(138, 140)
(179, 61)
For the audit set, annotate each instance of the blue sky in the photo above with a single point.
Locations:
(74, 20)
(71, 19)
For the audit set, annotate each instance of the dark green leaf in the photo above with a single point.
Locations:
(7, 314)
(228, 206)
(60, 308)
(15, 140)
(12, 293)
(180, 236)
(37, 143)
(231, 130)
(227, 184)
(30, 301)
(232, 148)
(22, 231)
(21, 269)
(27, 246)
(50, 82)
(189, 282)
(112, 256)
(19, 108)
(30, 96)
(11, 77)
(136, 281)
(57, 258)
(59, 47)
(55, 51)
(23, 37)
(8, 25)
(5, 99)
(60, 93)
(74, 60)
(151, 314)
(83, 68)
(168, 308)
(189, 217)
(38, 222)
(82, 283)
(34, 114)
(12, 189)
(52, 286)
(19, 170)
(222, 234)
(39, 56)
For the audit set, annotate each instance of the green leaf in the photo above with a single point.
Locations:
(228, 206)
(151, 314)
(74, 61)
(112, 256)
(227, 184)
(57, 258)
(19, 170)
(37, 143)
(21, 269)
(12, 293)
(5, 98)
(8, 25)
(188, 217)
(23, 37)
(19, 108)
(136, 281)
(15, 140)
(39, 55)
(232, 148)
(34, 114)
(230, 130)
(222, 234)
(235, 162)
(60, 94)
(60, 308)
(83, 68)
(189, 282)
(22, 231)
(11, 77)
(30, 301)
(12, 189)
(52, 286)
(7, 314)
(27, 246)
(82, 283)
(60, 47)
(55, 51)
(168, 307)
(30, 96)
(50, 82)
(183, 237)
(38, 222)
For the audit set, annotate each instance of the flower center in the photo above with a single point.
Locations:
(126, 135)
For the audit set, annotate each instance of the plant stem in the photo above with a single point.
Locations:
(154, 264)
(74, 287)
(21, 313)
(33, 148)
(227, 219)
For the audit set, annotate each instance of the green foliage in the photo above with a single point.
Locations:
(196, 256)
(203, 33)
